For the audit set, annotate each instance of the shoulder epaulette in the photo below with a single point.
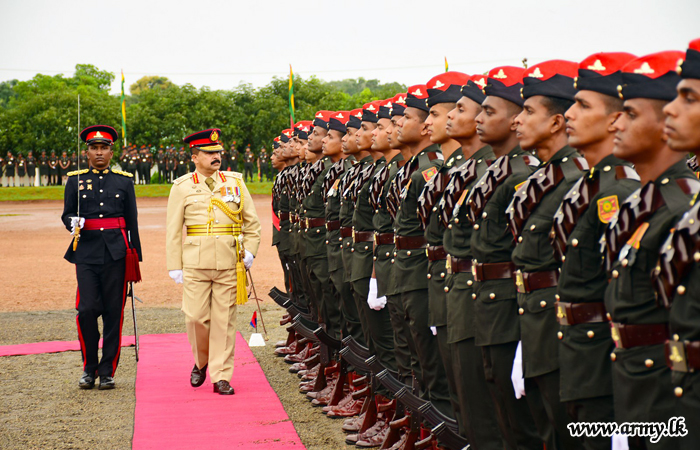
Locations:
(186, 176)
(126, 174)
(233, 174)
(78, 172)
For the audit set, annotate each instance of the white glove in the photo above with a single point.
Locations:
(434, 330)
(79, 221)
(248, 259)
(176, 275)
(620, 442)
(516, 376)
(375, 303)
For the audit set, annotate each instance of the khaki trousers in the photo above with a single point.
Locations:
(209, 304)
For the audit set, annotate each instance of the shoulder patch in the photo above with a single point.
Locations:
(183, 178)
(126, 174)
(428, 174)
(607, 208)
(77, 172)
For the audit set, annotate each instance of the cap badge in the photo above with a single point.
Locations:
(339, 116)
(401, 100)
(371, 108)
(481, 82)
(214, 136)
(536, 73)
(98, 135)
(644, 69)
(679, 66)
(417, 92)
(500, 75)
(597, 65)
(319, 116)
(359, 114)
(438, 84)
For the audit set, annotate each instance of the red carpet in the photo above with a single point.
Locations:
(170, 414)
(52, 347)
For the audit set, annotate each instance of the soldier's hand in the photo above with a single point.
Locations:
(372, 300)
(176, 275)
(517, 376)
(76, 221)
(248, 259)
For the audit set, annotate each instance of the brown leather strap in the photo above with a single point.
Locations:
(315, 222)
(346, 232)
(493, 271)
(302, 224)
(531, 281)
(284, 216)
(436, 252)
(362, 236)
(633, 335)
(409, 242)
(333, 225)
(458, 265)
(576, 313)
(294, 218)
(383, 238)
(683, 356)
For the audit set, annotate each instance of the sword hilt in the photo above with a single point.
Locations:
(76, 238)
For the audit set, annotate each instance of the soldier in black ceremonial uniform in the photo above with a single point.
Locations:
(585, 341)
(105, 219)
(678, 277)
(248, 164)
(10, 168)
(182, 163)
(634, 239)
(160, 160)
(497, 325)
(64, 166)
(31, 168)
(21, 169)
(43, 169)
(264, 165)
(73, 161)
(548, 92)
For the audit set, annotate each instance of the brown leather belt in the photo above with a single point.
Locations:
(333, 225)
(383, 238)
(294, 218)
(302, 224)
(683, 356)
(458, 265)
(346, 232)
(315, 222)
(628, 336)
(409, 242)
(284, 216)
(532, 281)
(492, 271)
(576, 313)
(362, 236)
(436, 252)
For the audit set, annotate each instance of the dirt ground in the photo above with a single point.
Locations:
(41, 406)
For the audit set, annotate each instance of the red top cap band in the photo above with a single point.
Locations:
(546, 70)
(288, 132)
(655, 65)
(373, 107)
(479, 80)
(606, 63)
(418, 91)
(99, 133)
(305, 125)
(277, 139)
(507, 75)
(357, 112)
(399, 99)
(209, 139)
(444, 80)
(323, 115)
(341, 116)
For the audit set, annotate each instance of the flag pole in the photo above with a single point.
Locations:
(291, 97)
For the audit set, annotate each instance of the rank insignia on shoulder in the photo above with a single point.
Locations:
(77, 172)
(428, 174)
(518, 186)
(607, 208)
(126, 174)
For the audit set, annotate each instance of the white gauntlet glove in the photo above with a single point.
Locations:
(176, 275)
(76, 221)
(248, 259)
(516, 376)
(375, 303)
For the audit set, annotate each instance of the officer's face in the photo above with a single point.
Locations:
(316, 139)
(639, 131)
(349, 142)
(207, 162)
(587, 121)
(99, 155)
(393, 138)
(496, 121)
(380, 135)
(412, 126)
(363, 137)
(332, 143)
(683, 118)
(461, 120)
(534, 124)
(436, 122)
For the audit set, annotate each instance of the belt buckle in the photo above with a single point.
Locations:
(396, 240)
(520, 281)
(376, 239)
(562, 318)
(675, 354)
(307, 222)
(448, 264)
(353, 234)
(615, 334)
(474, 263)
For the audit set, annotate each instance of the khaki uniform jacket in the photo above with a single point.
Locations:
(187, 205)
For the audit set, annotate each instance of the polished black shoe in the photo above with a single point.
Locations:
(223, 388)
(87, 381)
(106, 383)
(198, 376)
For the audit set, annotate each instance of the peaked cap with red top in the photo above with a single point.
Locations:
(398, 104)
(602, 72)
(415, 98)
(206, 140)
(505, 82)
(652, 76)
(338, 121)
(474, 89)
(370, 111)
(321, 119)
(99, 134)
(286, 135)
(553, 78)
(446, 87)
(355, 120)
(303, 128)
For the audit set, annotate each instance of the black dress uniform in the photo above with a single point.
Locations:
(31, 169)
(248, 162)
(108, 204)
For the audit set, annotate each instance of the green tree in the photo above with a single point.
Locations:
(149, 82)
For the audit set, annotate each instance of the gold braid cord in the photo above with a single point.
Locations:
(235, 216)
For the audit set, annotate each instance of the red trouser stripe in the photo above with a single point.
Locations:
(77, 322)
(121, 324)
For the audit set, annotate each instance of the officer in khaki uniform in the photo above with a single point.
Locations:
(222, 231)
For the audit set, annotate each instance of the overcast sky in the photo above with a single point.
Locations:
(221, 43)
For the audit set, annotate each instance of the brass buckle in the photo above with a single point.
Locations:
(448, 264)
(520, 281)
(474, 263)
(615, 333)
(561, 314)
(676, 355)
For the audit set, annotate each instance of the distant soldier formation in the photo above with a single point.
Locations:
(488, 261)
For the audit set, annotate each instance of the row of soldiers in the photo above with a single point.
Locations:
(507, 255)
(21, 170)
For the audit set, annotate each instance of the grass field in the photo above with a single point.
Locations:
(24, 194)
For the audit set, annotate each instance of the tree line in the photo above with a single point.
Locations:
(42, 113)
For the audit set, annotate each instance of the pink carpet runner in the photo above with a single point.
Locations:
(170, 414)
(51, 347)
